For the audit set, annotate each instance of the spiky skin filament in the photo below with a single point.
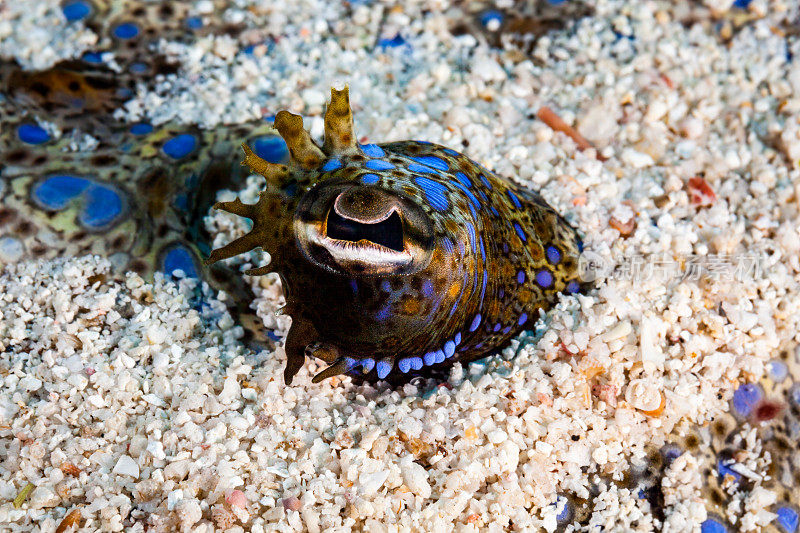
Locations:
(399, 257)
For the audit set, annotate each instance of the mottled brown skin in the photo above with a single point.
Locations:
(459, 260)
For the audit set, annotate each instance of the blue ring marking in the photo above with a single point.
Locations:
(423, 142)
(435, 192)
(180, 145)
(746, 397)
(522, 319)
(103, 205)
(126, 30)
(404, 365)
(439, 356)
(449, 349)
(483, 250)
(350, 363)
(429, 358)
(544, 278)
(506, 330)
(483, 197)
(486, 182)
(463, 179)
(378, 164)
(76, 11)
(483, 289)
(514, 199)
(93, 57)
(32, 134)
(711, 525)
(142, 128)
(573, 287)
(331, 164)
(270, 148)
(416, 167)
(788, 519)
(494, 210)
(416, 363)
(56, 191)
(520, 232)
(497, 327)
(367, 365)
(472, 237)
(450, 152)
(194, 23)
(370, 179)
(564, 514)
(521, 277)
(372, 150)
(505, 247)
(457, 338)
(553, 254)
(475, 322)
(432, 161)
(427, 288)
(179, 258)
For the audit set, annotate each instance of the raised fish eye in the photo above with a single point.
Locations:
(387, 232)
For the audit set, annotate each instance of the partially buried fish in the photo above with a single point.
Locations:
(402, 256)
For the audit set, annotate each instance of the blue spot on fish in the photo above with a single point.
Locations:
(450, 152)
(457, 338)
(514, 199)
(404, 365)
(521, 277)
(746, 397)
(416, 363)
(439, 356)
(486, 182)
(372, 150)
(544, 278)
(32, 134)
(475, 322)
(520, 232)
(331, 164)
(179, 258)
(788, 519)
(449, 349)
(126, 30)
(56, 191)
(573, 287)
(432, 161)
(194, 23)
(429, 358)
(370, 179)
(553, 255)
(522, 319)
(435, 192)
(415, 167)
(712, 526)
(76, 11)
(367, 365)
(142, 128)
(270, 148)
(378, 164)
(103, 204)
(180, 145)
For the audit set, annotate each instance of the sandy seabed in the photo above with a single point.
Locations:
(136, 404)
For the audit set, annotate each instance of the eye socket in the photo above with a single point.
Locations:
(388, 232)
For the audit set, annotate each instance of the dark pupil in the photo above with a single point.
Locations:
(388, 233)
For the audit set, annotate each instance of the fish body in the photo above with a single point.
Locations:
(401, 256)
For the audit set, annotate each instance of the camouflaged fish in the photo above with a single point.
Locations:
(138, 197)
(401, 256)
